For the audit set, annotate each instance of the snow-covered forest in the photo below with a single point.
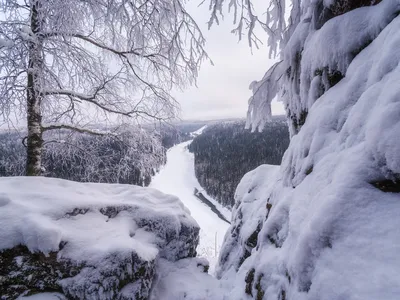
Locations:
(131, 156)
(321, 225)
(225, 151)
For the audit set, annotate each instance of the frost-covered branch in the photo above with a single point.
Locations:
(247, 19)
(73, 128)
(264, 91)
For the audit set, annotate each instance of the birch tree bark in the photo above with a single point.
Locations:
(34, 118)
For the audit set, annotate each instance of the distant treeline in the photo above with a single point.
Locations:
(176, 133)
(131, 156)
(226, 151)
(172, 135)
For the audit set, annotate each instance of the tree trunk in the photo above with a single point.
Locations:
(34, 139)
(34, 117)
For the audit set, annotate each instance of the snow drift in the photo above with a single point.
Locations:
(89, 241)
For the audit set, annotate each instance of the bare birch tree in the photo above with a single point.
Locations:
(64, 62)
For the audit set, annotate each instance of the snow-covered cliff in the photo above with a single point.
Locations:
(326, 226)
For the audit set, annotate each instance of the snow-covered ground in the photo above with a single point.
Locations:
(178, 178)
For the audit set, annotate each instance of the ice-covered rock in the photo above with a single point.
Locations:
(88, 241)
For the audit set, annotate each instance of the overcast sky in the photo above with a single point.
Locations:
(223, 89)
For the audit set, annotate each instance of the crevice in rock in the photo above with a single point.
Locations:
(283, 295)
(309, 170)
(340, 7)
(268, 206)
(253, 238)
(77, 211)
(387, 185)
(249, 282)
(259, 289)
(112, 211)
(245, 256)
(299, 120)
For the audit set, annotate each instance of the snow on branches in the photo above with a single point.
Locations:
(74, 61)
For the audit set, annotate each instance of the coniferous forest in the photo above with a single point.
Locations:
(226, 151)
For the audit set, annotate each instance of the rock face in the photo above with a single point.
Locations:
(88, 241)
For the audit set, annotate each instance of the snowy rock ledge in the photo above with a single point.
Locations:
(88, 241)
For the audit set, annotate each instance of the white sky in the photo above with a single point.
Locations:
(223, 89)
